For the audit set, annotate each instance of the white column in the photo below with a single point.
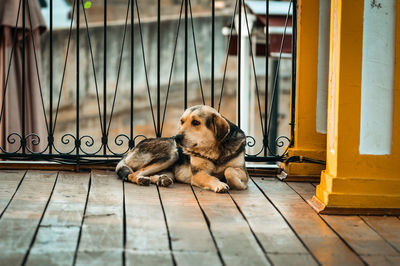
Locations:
(377, 77)
(323, 65)
(245, 68)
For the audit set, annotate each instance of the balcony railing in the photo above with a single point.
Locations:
(101, 87)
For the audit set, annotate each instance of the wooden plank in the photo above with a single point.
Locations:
(292, 259)
(192, 242)
(382, 260)
(102, 231)
(305, 190)
(147, 240)
(387, 227)
(232, 234)
(146, 258)
(360, 236)
(324, 244)
(196, 258)
(58, 233)
(274, 234)
(21, 219)
(364, 240)
(9, 181)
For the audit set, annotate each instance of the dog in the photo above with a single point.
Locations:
(208, 152)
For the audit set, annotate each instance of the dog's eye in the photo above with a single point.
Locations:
(195, 123)
(182, 122)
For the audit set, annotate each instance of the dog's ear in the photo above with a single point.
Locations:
(221, 127)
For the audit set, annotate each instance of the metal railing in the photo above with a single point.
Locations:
(21, 145)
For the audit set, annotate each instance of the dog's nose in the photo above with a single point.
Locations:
(178, 138)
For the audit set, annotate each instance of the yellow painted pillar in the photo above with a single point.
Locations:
(307, 141)
(358, 182)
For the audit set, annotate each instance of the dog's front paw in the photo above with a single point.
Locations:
(164, 181)
(221, 188)
(143, 181)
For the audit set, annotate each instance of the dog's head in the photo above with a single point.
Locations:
(201, 127)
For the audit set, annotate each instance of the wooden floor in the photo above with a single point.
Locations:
(68, 218)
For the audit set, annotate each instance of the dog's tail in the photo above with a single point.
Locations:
(123, 170)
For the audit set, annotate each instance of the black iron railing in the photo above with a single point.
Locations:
(77, 147)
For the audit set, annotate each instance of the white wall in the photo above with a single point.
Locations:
(377, 77)
(323, 65)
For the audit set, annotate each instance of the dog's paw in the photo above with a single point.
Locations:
(221, 188)
(131, 178)
(164, 181)
(143, 180)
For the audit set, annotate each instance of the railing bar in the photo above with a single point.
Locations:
(37, 68)
(131, 143)
(254, 70)
(77, 140)
(227, 56)
(277, 72)
(239, 62)
(265, 140)
(145, 68)
(50, 137)
(195, 52)
(294, 71)
(105, 79)
(186, 54)
(100, 159)
(212, 50)
(272, 132)
(65, 67)
(119, 70)
(23, 140)
(93, 67)
(172, 66)
(10, 61)
(158, 67)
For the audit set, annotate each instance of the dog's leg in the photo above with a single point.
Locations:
(237, 178)
(204, 180)
(163, 179)
(183, 173)
(139, 179)
(141, 176)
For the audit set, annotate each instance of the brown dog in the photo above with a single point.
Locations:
(207, 151)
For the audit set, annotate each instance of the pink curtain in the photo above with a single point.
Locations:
(11, 121)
